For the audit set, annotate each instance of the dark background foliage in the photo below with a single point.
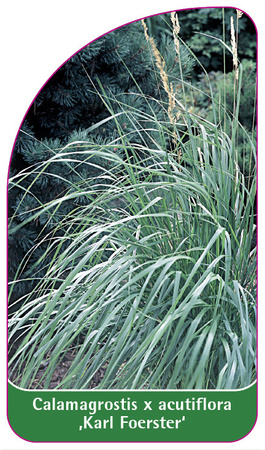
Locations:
(197, 23)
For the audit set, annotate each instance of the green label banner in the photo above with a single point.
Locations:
(131, 416)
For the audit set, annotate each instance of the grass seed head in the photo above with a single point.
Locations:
(145, 30)
(234, 47)
(176, 28)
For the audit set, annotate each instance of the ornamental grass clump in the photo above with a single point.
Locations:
(152, 280)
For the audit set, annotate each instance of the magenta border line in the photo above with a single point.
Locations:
(120, 442)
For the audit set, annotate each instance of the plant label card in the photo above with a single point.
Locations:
(132, 238)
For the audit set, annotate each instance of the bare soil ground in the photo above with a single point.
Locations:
(59, 374)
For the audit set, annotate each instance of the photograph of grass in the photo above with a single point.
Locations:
(132, 216)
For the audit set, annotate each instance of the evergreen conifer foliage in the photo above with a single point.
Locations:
(120, 59)
(91, 99)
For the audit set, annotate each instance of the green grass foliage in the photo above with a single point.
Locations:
(153, 278)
